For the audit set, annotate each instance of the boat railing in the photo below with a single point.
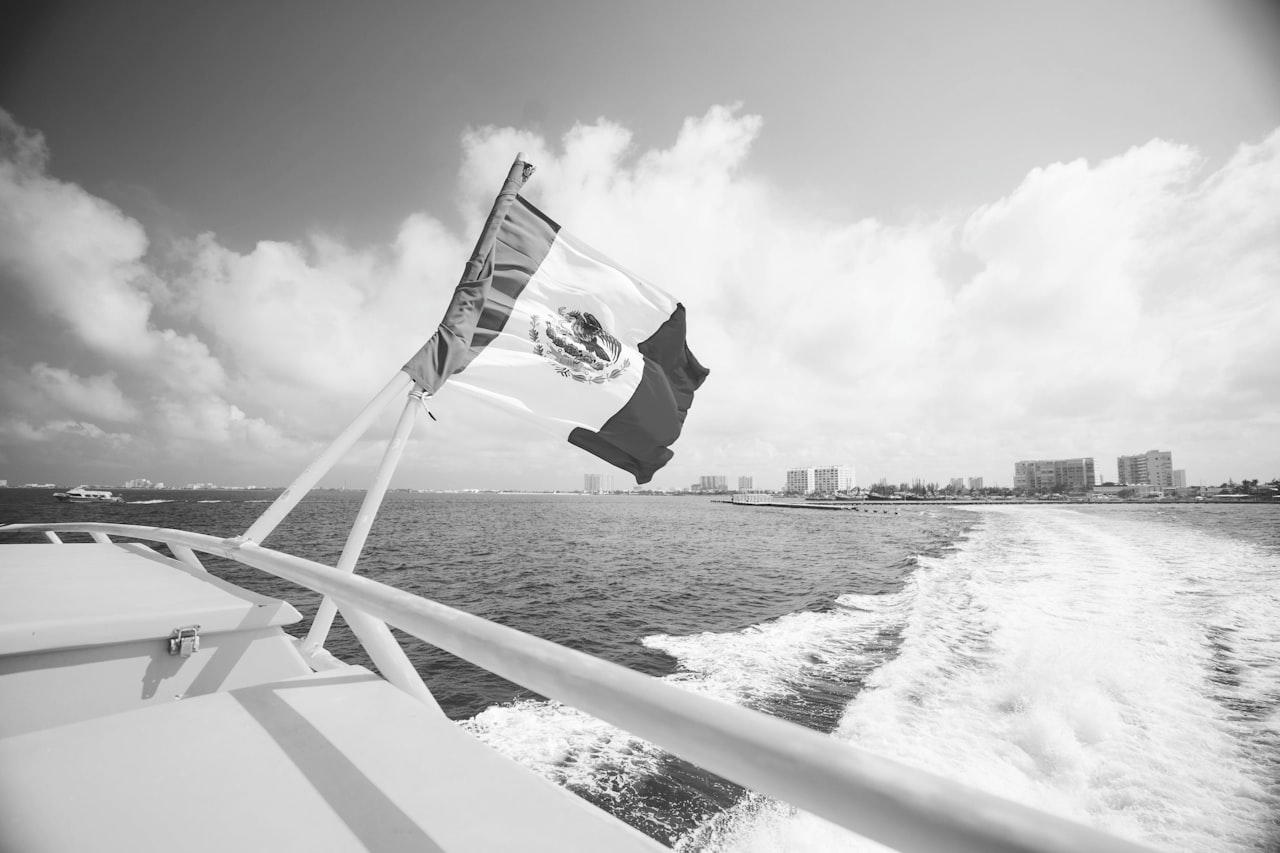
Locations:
(892, 803)
(889, 802)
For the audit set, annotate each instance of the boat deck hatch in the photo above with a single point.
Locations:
(91, 594)
(94, 629)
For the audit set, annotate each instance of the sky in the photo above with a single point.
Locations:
(926, 239)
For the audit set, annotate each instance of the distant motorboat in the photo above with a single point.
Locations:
(87, 495)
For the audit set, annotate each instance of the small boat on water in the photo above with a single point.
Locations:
(88, 495)
(149, 705)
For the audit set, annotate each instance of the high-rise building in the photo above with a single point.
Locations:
(1052, 475)
(957, 484)
(800, 481)
(1077, 474)
(1034, 475)
(714, 483)
(833, 478)
(975, 484)
(1153, 468)
(746, 483)
(1180, 478)
(597, 483)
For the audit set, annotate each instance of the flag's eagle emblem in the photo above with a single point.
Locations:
(577, 346)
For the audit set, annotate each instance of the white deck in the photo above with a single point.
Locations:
(109, 743)
(332, 762)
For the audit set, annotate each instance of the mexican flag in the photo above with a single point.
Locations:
(546, 327)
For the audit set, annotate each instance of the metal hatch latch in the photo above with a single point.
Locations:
(184, 642)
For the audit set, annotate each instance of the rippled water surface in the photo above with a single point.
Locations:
(1119, 665)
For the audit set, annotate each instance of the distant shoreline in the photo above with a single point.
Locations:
(877, 505)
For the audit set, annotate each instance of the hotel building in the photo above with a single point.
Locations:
(596, 483)
(827, 480)
(833, 478)
(1052, 475)
(1153, 468)
(800, 481)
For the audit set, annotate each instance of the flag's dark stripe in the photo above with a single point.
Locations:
(523, 242)
(637, 437)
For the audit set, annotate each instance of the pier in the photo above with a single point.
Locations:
(881, 507)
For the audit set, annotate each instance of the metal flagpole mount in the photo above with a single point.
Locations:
(527, 172)
(423, 396)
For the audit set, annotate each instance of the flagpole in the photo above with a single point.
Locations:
(448, 350)
(401, 383)
(359, 534)
(516, 176)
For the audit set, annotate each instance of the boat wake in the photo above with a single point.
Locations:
(1109, 669)
(805, 667)
(1106, 669)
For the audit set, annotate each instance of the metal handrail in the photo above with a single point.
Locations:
(881, 799)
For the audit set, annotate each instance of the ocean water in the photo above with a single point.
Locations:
(1118, 665)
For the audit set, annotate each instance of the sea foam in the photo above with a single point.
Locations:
(1074, 662)
(1109, 667)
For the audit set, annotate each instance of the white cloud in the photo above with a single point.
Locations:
(1094, 309)
(52, 431)
(77, 264)
(862, 341)
(74, 254)
(96, 396)
(19, 432)
(305, 327)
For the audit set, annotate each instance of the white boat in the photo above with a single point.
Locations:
(148, 705)
(88, 495)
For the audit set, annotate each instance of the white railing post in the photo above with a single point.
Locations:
(186, 555)
(289, 498)
(385, 652)
(359, 533)
(374, 635)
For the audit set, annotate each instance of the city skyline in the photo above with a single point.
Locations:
(604, 482)
(610, 479)
(919, 233)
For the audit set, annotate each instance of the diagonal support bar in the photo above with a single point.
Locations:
(359, 533)
(401, 383)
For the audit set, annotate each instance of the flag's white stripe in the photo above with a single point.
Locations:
(634, 308)
(509, 370)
